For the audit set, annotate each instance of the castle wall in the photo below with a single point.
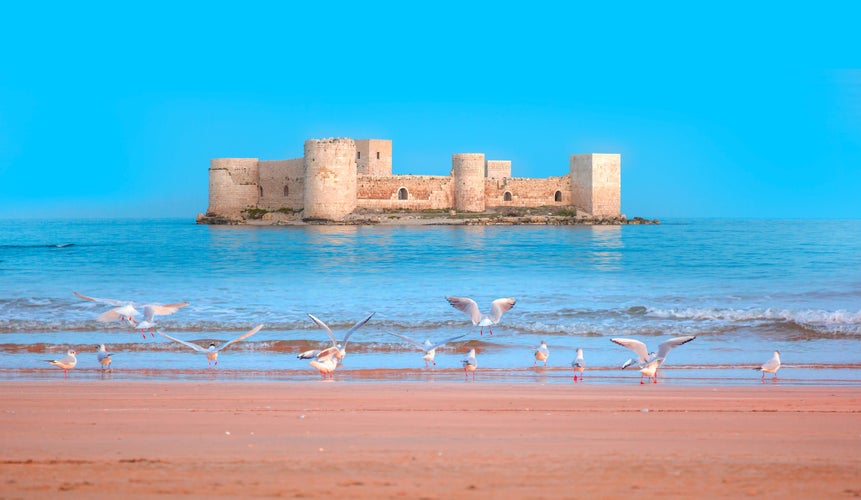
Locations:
(526, 192)
(330, 178)
(423, 192)
(468, 171)
(497, 169)
(232, 185)
(374, 157)
(277, 177)
(596, 183)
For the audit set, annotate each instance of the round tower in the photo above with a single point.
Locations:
(468, 170)
(233, 185)
(330, 178)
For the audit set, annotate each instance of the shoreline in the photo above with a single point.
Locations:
(436, 218)
(427, 440)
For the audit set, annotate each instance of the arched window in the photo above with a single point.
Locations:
(506, 196)
(403, 194)
(557, 196)
(260, 190)
(286, 190)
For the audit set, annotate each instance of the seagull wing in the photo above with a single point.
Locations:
(149, 313)
(499, 307)
(356, 327)
(110, 302)
(636, 346)
(325, 328)
(446, 341)
(165, 309)
(241, 337)
(189, 344)
(466, 305)
(771, 364)
(420, 345)
(327, 353)
(666, 345)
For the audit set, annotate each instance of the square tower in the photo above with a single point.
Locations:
(596, 183)
(497, 169)
(374, 157)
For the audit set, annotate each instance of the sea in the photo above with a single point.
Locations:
(744, 288)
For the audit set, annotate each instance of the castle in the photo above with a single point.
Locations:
(335, 177)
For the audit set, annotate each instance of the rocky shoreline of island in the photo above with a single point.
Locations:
(546, 216)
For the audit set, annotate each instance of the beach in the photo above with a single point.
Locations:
(102, 439)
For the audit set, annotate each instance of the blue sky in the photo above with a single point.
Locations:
(727, 110)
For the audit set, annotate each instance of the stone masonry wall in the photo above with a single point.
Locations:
(498, 169)
(596, 183)
(527, 192)
(468, 172)
(232, 185)
(424, 192)
(282, 184)
(374, 157)
(330, 178)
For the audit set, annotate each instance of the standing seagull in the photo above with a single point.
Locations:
(428, 348)
(104, 357)
(497, 309)
(578, 365)
(541, 354)
(470, 363)
(212, 351)
(644, 357)
(126, 310)
(340, 348)
(66, 363)
(770, 366)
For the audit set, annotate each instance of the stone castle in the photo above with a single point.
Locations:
(336, 177)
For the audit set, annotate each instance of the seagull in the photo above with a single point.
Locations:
(212, 351)
(650, 370)
(66, 363)
(126, 310)
(541, 354)
(770, 366)
(104, 357)
(643, 354)
(428, 347)
(578, 365)
(497, 309)
(326, 364)
(470, 364)
(342, 349)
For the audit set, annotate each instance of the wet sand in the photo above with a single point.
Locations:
(108, 439)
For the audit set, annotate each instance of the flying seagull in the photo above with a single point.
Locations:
(645, 358)
(126, 310)
(212, 351)
(427, 346)
(497, 309)
(341, 347)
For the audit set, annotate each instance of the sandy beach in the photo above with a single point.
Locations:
(413, 440)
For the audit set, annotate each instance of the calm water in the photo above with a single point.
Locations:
(745, 288)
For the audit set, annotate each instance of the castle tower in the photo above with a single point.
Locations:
(330, 178)
(374, 157)
(233, 185)
(468, 170)
(596, 183)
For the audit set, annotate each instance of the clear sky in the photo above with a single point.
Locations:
(732, 109)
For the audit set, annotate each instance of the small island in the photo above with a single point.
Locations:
(346, 181)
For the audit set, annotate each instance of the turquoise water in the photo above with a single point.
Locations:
(744, 287)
